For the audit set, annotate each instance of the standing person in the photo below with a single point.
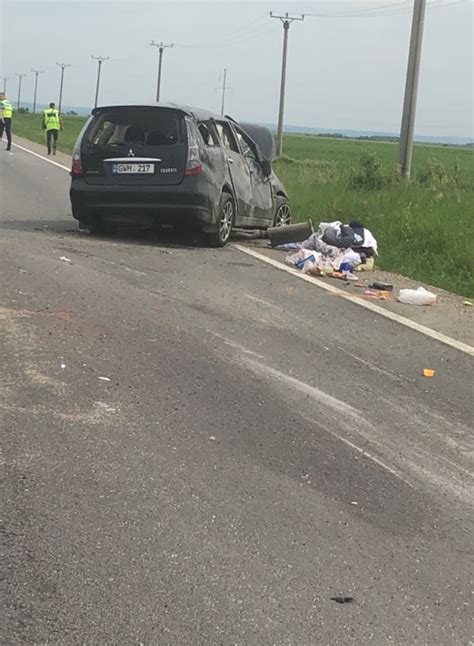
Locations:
(52, 123)
(6, 114)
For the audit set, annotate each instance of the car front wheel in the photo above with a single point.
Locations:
(283, 213)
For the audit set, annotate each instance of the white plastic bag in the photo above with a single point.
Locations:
(420, 296)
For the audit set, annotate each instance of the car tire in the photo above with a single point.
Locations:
(282, 212)
(82, 214)
(100, 227)
(225, 222)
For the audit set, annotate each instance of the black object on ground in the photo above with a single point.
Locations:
(342, 599)
(290, 233)
(387, 287)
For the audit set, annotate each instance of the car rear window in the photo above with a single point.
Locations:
(150, 127)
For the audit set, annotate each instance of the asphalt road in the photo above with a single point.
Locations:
(200, 449)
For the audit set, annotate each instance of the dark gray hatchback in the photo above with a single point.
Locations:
(157, 164)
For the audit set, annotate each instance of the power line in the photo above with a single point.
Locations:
(100, 60)
(5, 79)
(161, 49)
(250, 34)
(224, 40)
(286, 21)
(393, 9)
(36, 73)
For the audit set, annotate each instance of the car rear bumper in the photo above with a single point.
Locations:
(140, 204)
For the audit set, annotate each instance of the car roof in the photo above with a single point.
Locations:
(198, 113)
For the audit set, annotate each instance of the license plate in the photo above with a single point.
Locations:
(133, 169)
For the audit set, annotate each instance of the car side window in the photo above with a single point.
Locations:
(227, 137)
(247, 150)
(208, 134)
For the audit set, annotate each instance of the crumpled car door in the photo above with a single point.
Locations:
(239, 171)
(262, 191)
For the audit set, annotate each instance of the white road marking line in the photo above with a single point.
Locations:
(50, 161)
(418, 327)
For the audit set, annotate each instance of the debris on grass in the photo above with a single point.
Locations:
(419, 296)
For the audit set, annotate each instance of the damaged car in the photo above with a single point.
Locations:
(166, 164)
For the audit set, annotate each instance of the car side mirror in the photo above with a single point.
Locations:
(266, 167)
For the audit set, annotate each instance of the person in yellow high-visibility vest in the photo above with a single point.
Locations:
(6, 113)
(52, 123)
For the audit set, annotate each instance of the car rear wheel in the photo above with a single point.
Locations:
(101, 227)
(283, 213)
(225, 222)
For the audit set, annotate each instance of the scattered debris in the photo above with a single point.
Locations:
(334, 247)
(368, 265)
(104, 378)
(63, 365)
(212, 437)
(428, 372)
(342, 599)
(354, 502)
(419, 296)
(467, 303)
(288, 246)
(290, 233)
(370, 293)
(65, 259)
(386, 287)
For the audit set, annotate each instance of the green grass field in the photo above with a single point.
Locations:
(425, 227)
(29, 126)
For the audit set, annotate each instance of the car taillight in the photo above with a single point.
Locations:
(76, 169)
(195, 170)
(193, 163)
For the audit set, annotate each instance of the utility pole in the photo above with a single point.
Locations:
(161, 49)
(36, 73)
(62, 66)
(286, 21)
(5, 79)
(20, 78)
(99, 60)
(224, 89)
(411, 88)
